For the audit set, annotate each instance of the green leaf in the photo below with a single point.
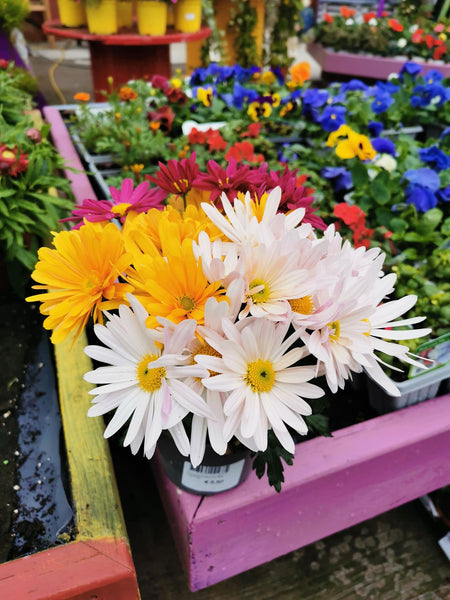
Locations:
(379, 191)
(271, 459)
(359, 173)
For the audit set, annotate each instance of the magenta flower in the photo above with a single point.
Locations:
(177, 177)
(140, 199)
(293, 195)
(231, 180)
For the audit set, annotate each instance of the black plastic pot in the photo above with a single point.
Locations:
(216, 473)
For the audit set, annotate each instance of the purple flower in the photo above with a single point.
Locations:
(433, 76)
(340, 178)
(422, 197)
(444, 194)
(354, 85)
(313, 99)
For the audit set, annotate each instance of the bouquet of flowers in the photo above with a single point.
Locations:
(222, 307)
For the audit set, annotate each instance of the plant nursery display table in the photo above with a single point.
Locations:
(365, 65)
(125, 56)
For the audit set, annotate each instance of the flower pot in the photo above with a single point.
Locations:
(215, 474)
(72, 13)
(151, 17)
(188, 15)
(102, 16)
(125, 14)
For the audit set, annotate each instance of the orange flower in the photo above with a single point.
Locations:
(300, 72)
(369, 16)
(127, 93)
(82, 97)
(328, 18)
(347, 12)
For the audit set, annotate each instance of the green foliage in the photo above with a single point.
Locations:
(12, 14)
(270, 461)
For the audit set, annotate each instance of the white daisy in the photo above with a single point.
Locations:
(241, 225)
(264, 390)
(142, 382)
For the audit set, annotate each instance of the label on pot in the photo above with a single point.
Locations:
(206, 478)
(189, 16)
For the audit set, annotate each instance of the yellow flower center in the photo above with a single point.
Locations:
(205, 348)
(303, 305)
(336, 330)
(8, 155)
(120, 209)
(149, 380)
(262, 291)
(368, 326)
(260, 375)
(187, 303)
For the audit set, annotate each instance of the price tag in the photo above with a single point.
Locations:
(205, 478)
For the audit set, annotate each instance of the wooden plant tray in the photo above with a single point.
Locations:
(364, 470)
(366, 65)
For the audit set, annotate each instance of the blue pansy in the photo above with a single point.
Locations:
(332, 117)
(433, 76)
(198, 76)
(435, 157)
(445, 133)
(384, 146)
(444, 194)
(411, 68)
(242, 95)
(242, 74)
(386, 87)
(225, 73)
(425, 94)
(425, 177)
(422, 197)
(375, 128)
(313, 99)
(341, 179)
(354, 85)
(381, 102)
(278, 74)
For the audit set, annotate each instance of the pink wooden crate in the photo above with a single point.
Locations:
(364, 470)
(365, 65)
(75, 173)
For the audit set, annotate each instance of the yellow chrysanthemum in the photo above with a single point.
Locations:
(174, 287)
(80, 275)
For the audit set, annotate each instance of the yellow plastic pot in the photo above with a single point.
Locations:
(102, 16)
(188, 15)
(72, 13)
(151, 17)
(125, 14)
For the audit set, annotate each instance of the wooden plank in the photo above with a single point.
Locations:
(366, 65)
(364, 470)
(81, 186)
(78, 571)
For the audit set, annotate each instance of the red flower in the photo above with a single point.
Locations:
(231, 180)
(12, 161)
(395, 25)
(4, 64)
(164, 116)
(196, 137)
(417, 36)
(253, 130)
(215, 140)
(351, 215)
(178, 176)
(328, 18)
(429, 41)
(368, 16)
(176, 96)
(439, 52)
(347, 12)
(241, 151)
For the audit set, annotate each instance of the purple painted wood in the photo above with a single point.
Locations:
(365, 65)
(81, 186)
(364, 470)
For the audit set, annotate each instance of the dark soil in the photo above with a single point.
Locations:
(35, 512)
